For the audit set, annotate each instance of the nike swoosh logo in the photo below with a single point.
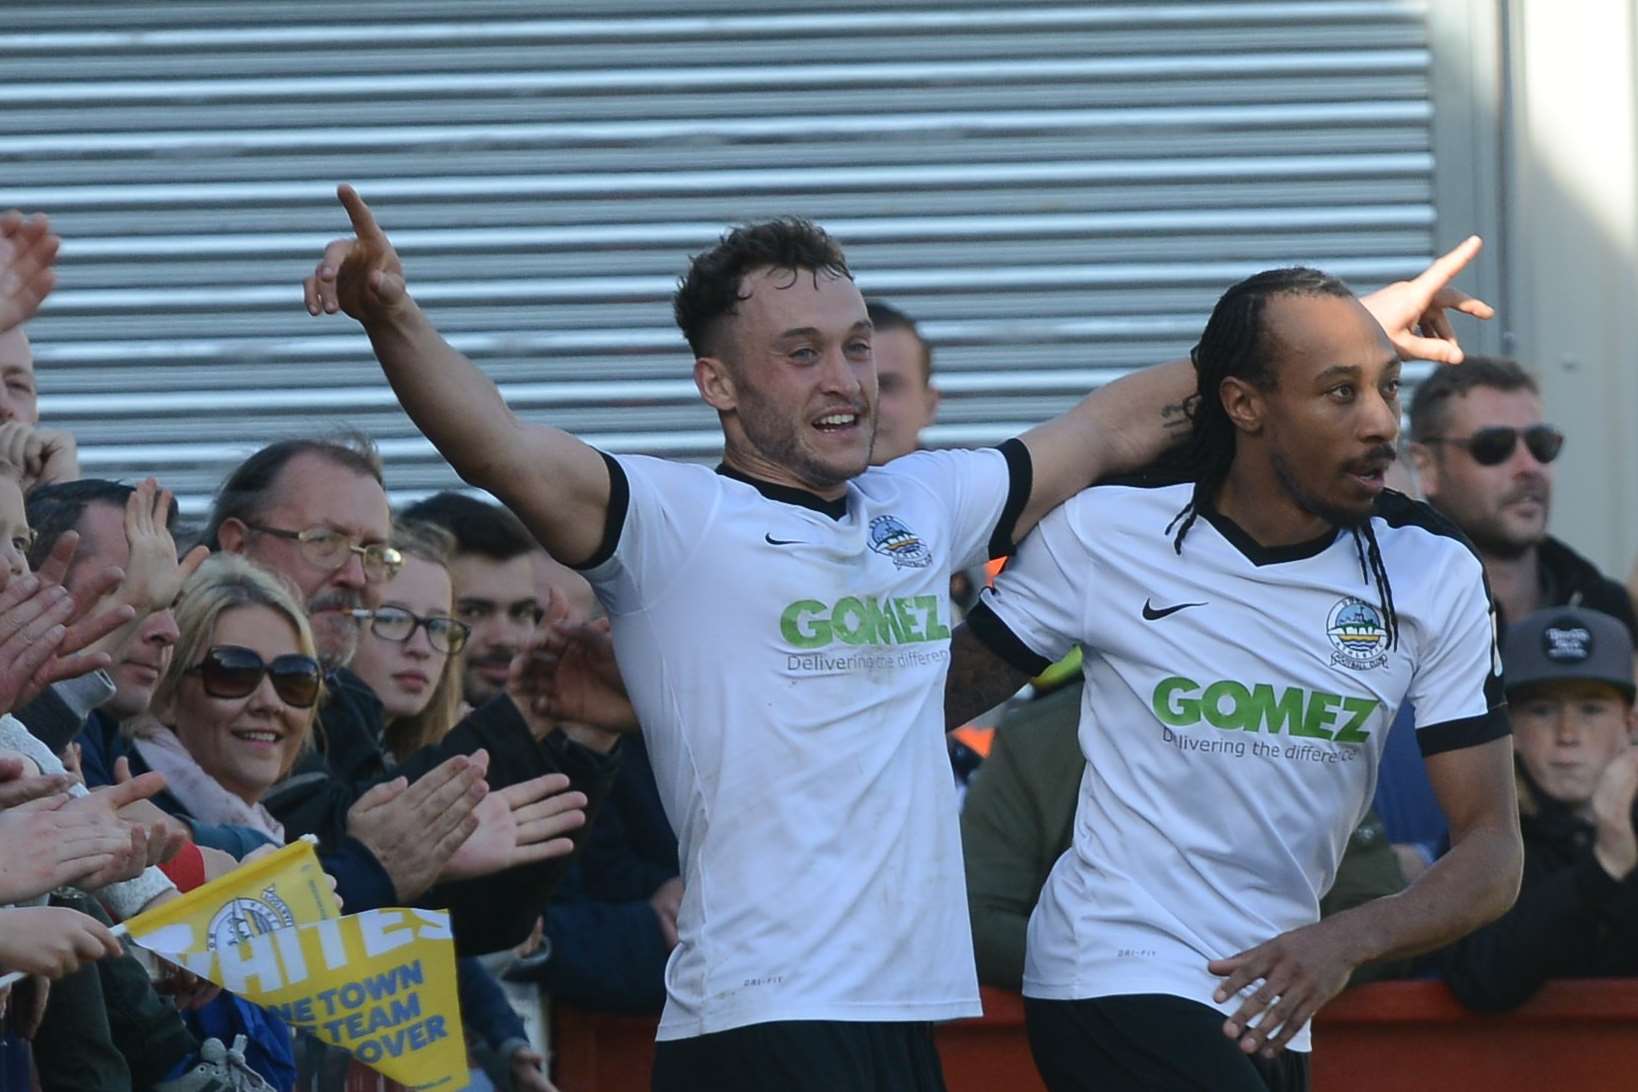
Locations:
(1152, 615)
(771, 541)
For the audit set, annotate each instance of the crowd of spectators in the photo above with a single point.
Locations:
(320, 665)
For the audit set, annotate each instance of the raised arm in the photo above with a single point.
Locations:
(555, 483)
(1132, 421)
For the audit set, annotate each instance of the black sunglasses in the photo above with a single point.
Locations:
(230, 671)
(1493, 446)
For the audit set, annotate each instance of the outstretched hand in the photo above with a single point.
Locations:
(44, 631)
(1414, 314)
(28, 252)
(362, 275)
(522, 824)
(153, 575)
(567, 672)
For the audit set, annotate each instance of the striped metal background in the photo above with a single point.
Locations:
(1057, 190)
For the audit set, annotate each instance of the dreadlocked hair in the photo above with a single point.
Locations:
(1234, 345)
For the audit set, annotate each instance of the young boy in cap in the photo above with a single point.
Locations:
(1569, 684)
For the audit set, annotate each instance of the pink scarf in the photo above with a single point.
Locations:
(196, 790)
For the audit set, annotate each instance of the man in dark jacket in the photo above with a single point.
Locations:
(1570, 690)
(1484, 457)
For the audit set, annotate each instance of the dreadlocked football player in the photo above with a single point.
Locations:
(1251, 626)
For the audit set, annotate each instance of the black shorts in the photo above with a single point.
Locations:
(1149, 1042)
(802, 1056)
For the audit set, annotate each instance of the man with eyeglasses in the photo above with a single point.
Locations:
(316, 512)
(1484, 456)
(493, 573)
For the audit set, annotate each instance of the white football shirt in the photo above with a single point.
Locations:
(1236, 705)
(787, 657)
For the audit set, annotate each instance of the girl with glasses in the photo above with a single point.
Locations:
(409, 647)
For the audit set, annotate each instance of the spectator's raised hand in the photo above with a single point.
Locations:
(41, 455)
(28, 253)
(1615, 844)
(44, 630)
(414, 829)
(567, 672)
(167, 835)
(22, 783)
(521, 824)
(52, 940)
(362, 275)
(153, 575)
(1413, 312)
(58, 841)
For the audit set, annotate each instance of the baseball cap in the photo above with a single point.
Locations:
(1568, 643)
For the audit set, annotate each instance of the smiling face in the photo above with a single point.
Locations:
(1567, 733)
(1502, 508)
(404, 674)
(247, 744)
(1328, 425)
(795, 383)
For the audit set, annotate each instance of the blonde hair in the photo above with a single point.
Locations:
(223, 583)
(406, 735)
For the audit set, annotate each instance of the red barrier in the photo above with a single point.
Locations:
(1575, 1034)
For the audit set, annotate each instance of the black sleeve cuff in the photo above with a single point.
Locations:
(615, 521)
(1020, 483)
(994, 635)
(1453, 735)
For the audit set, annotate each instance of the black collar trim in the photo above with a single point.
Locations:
(784, 494)
(1257, 553)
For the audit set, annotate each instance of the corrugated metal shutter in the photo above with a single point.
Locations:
(1058, 191)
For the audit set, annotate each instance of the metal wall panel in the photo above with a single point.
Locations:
(1058, 191)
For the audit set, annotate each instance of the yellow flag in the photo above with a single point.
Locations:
(284, 888)
(380, 984)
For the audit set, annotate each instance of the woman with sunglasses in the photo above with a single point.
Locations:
(236, 706)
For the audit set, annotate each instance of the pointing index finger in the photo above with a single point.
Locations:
(364, 225)
(1445, 268)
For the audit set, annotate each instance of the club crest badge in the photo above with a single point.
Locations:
(891, 538)
(241, 919)
(1358, 638)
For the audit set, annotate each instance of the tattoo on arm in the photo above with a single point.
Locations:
(1177, 418)
(979, 680)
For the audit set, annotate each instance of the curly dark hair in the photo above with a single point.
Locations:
(710, 290)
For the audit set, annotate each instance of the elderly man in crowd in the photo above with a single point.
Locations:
(316, 512)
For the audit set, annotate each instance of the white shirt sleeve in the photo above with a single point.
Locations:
(1457, 682)
(666, 508)
(1036, 597)
(983, 490)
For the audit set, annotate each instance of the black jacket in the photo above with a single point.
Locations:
(607, 950)
(1568, 579)
(487, 914)
(1571, 920)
